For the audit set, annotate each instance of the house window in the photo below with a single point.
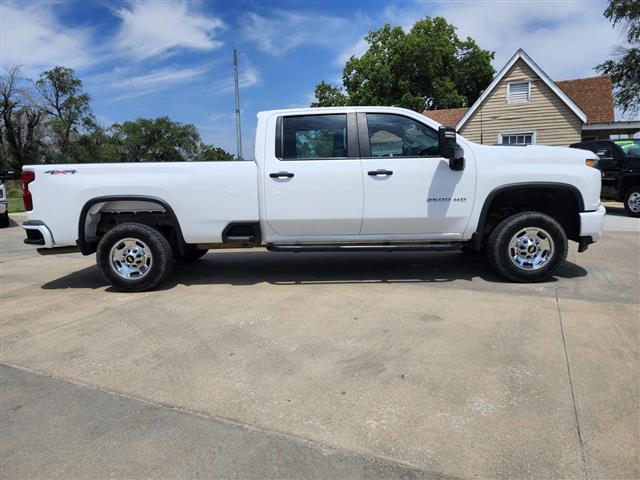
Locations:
(518, 92)
(517, 138)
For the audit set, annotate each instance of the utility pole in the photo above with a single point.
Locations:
(235, 79)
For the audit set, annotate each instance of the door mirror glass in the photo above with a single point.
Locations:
(449, 148)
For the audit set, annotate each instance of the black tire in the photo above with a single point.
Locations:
(467, 250)
(4, 220)
(499, 252)
(190, 255)
(160, 258)
(635, 192)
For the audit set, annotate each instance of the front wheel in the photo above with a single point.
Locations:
(134, 257)
(527, 247)
(632, 201)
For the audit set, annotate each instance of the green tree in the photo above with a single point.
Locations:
(67, 106)
(158, 140)
(207, 153)
(625, 70)
(329, 96)
(427, 67)
(155, 140)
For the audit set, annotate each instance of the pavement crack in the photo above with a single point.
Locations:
(573, 394)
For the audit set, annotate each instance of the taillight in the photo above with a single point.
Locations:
(27, 178)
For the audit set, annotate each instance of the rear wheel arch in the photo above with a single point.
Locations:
(140, 206)
(561, 201)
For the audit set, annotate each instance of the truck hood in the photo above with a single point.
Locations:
(533, 153)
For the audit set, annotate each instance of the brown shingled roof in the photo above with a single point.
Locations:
(448, 116)
(593, 96)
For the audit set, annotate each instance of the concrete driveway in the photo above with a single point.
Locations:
(251, 364)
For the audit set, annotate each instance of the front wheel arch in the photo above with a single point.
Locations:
(561, 201)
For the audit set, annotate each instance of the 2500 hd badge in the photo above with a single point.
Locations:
(446, 199)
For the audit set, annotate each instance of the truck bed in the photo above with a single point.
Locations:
(205, 196)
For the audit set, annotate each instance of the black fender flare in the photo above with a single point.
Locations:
(87, 248)
(476, 239)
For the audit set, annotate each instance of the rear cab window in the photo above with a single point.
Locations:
(312, 137)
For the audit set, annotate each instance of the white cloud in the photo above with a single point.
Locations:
(31, 35)
(159, 78)
(356, 49)
(151, 29)
(566, 39)
(284, 31)
(140, 85)
(248, 76)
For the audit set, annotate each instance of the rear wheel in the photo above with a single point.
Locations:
(632, 201)
(134, 257)
(527, 247)
(4, 219)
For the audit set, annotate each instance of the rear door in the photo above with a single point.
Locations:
(313, 179)
(409, 189)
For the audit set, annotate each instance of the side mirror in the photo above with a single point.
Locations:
(449, 148)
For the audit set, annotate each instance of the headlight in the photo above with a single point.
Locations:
(590, 162)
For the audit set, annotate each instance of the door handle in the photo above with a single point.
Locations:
(375, 173)
(281, 175)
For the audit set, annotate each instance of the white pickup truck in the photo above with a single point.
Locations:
(324, 179)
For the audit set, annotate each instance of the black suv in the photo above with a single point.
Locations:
(619, 162)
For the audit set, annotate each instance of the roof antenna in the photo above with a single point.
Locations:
(235, 79)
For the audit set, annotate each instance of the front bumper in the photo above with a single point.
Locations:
(3, 207)
(38, 234)
(591, 224)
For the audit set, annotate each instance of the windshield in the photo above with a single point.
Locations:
(630, 147)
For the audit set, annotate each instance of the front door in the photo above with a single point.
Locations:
(313, 179)
(409, 189)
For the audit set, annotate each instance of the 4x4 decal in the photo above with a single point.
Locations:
(61, 172)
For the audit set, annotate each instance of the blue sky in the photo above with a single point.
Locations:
(153, 58)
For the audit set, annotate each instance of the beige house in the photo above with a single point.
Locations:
(522, 105)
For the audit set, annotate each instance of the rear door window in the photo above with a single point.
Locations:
(314, 137)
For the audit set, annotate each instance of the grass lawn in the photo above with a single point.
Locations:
(15, 201)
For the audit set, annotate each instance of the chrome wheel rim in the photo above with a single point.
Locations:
(131, 258)
(531, 248)
(634, 202)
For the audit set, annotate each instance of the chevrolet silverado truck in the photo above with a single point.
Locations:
(324, 179)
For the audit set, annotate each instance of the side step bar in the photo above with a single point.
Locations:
(366, 248)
